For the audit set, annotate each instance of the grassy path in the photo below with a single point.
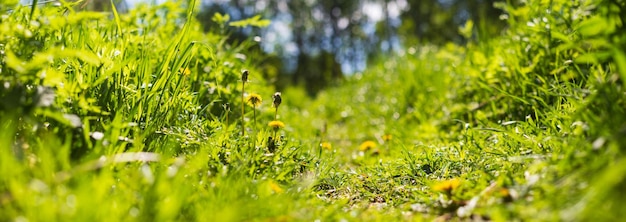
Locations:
(137, 117)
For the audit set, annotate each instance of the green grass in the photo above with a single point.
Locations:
(121, 117)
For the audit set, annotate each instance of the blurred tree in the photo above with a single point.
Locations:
(345, 33)
(323, 33)
(340, 36)
(104, 5)
(436, 21)
(94, 5)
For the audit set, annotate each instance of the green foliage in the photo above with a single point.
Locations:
(254, 21)
(84, 86)
(135, 117)
(536, 112)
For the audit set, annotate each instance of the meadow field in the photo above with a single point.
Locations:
(144, 116)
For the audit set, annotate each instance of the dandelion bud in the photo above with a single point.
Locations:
(244, 76)
(277, 99)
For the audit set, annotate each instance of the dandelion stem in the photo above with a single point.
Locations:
(255, 132)
(275, 131)
(254, 116)
(319, 153)
(244, 79)
(243, 108)
(276, 125)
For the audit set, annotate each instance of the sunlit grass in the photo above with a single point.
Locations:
(128, 117)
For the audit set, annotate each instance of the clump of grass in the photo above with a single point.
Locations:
(536, 162)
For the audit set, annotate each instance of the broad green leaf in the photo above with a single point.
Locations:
(117, 19)
(560, 36)
(593, 57)
(84, 55)
(592, 26)
(14, 62)
(220, 19)
(466, 30)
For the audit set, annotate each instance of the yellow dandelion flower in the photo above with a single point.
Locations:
(254, 99)
(367, 145)
(184, 71)
(504, 192)
(326, 146)
(275, 187)
(447, 185)
(387, 137)
(276, 124)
